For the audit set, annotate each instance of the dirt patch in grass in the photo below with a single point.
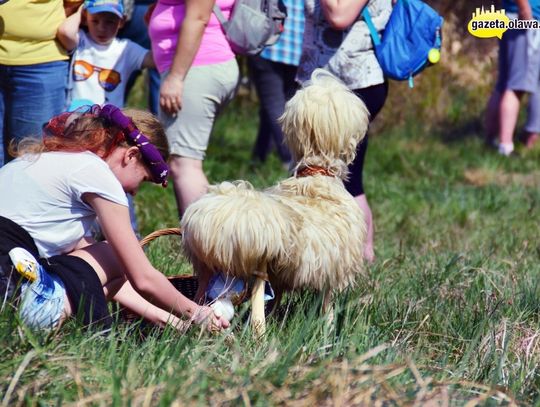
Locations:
(481, 177)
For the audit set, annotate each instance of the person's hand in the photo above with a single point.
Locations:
(170, 94)
(206, 317)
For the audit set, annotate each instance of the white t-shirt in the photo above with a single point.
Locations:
(90, 79)
(43, 194)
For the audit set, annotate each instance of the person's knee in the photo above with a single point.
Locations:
(182, 166)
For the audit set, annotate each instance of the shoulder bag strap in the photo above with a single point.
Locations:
(220, 16)
(372, 30)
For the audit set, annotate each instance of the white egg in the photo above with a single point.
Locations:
(223, 307)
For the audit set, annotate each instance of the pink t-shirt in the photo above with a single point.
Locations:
(164, 28)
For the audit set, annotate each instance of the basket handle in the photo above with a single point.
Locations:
(160, 232)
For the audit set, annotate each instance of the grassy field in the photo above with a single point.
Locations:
(448, 315)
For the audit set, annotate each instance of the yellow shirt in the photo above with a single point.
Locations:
(28, 32)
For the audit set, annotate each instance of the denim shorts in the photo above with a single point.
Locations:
(42, 301)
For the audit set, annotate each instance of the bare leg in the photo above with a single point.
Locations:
(369, 254)
(189, 180)
(108, 268)
(509, 110)
(531, 139)
(532, 127)
(67, 312)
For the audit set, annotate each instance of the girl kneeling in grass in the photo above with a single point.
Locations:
(52, 194)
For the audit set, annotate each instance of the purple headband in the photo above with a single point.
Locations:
(150, 154)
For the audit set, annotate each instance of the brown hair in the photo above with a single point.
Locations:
(77, 132)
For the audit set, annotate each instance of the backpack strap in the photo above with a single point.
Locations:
(372, 30)
(219, 15)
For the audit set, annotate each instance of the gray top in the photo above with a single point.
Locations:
(347, 54)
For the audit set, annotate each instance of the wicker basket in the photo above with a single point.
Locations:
(186, 284)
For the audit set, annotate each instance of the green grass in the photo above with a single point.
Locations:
(449, 312)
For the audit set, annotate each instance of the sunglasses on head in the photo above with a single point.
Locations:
(108, 79)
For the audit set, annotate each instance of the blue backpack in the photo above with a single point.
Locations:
(411, 40)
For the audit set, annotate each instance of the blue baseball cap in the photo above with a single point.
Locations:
(102, 6)
(77, 103)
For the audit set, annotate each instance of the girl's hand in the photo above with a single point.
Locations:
(170, 94)
(206, 317)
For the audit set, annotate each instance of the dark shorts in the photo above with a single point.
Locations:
(81, 282)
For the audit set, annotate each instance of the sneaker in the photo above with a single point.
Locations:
(505, 149)
(24, 263)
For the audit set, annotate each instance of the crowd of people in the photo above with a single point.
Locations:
(66, 67)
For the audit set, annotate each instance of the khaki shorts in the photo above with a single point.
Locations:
(207, 90)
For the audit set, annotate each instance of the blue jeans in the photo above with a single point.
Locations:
(29, 96)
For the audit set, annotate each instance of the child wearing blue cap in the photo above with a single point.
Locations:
(102, 63)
